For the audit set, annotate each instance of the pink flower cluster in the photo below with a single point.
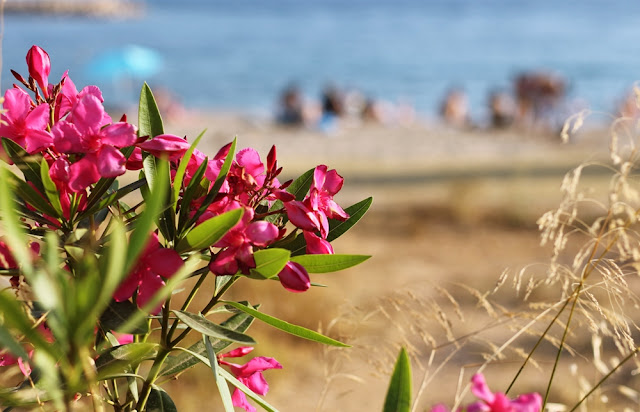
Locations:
(496, 402)
(71, 129)
(250, 374)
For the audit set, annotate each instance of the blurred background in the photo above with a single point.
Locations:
(448, 112)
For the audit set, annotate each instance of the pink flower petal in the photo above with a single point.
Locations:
(319, 175)
(83, 173)
(111, 162)
(119, 134)
(257, 383)
(301, 216)
(316, 245)
(67, 138)
(38, 118)
(294, 277)
(250, 160)
(166, 144)
(149, 285)
(237, 352)
(37, 140)
(127, 288)
(239, 400)
(134, 162)
(87, 115)
(333, 182)
(261, 233)
(480, 388)
(165, 262)
(17, 103)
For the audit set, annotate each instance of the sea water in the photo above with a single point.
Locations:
(239, 54)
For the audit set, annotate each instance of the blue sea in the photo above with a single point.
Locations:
(239, 54)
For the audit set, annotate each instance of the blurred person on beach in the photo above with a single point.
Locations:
(291, 107)
(540, 96)
(454, 109)
(502, 109)
(333, 108)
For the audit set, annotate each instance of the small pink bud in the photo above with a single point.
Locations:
(294, 277)
(39, 66)
(271, 159)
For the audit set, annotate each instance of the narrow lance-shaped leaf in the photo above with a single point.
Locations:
(223, 388)
(210, 231)
(328, 263)
(160, 401)
(14, 235)
(122, 358)
(216, 185)
(118, 313)
(239, 322)
(144, 223)
(27, 163)
(286, 326)
(191, 192)
(112, 198)
(29, 195)
(149, 119)
(50, 188)
(269, 262)
(208, 328)
(398, 397)
(156, 172)
(182, 167)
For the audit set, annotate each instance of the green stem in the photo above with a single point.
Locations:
(605, 377)
(186, 304)
(214, 300)
(151, 378)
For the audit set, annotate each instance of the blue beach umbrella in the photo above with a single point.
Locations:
(131, 61)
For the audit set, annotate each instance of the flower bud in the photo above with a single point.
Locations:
(39, 67)
(294, 277)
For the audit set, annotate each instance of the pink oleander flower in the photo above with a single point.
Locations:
(24, 125)
(84, 132)
(69, 96)
(39, 66)
(316, 245)
(294, 277)
(165, 144)
(313, 212)
(250, 374)
(146, 278)
(238, 245)
(496, 402)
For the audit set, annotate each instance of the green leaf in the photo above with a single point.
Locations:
(210, 231)
(286, 326)
(30, 195)
(14, 234)
(112, 198)
(223, 388)
(328, 263)
(50, 188)
(144, 223)
(28, 164)
(9, 343)
(192, 191)
(15, 318)
(232, 380)
(239, 322)
(337, 228)
(149, 119)
(160, 401)
(301, 185)
(269, 262)
(117, 313)
(122, 359)
(156, 172)
(399, 393)
(182, 167)
(208, 328)
(216, 185)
